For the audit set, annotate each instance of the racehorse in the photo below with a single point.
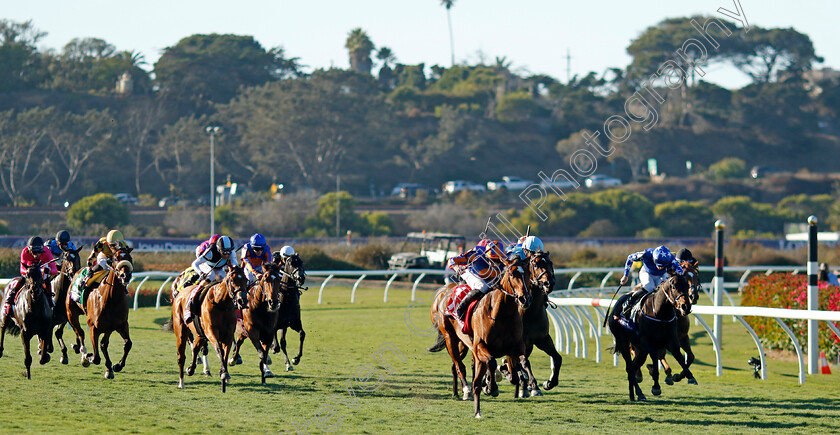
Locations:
(106, 309)
(259, 318)
(32, 316)
(656, 322)
(70, 264)
(215, 322)
(497, 331)
(695, 287)
(288, 316)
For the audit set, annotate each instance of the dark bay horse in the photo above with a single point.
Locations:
(497, 331)
(657, 330)
(31, 316)
(70, 265)
(683, 324)
(259, 318)
(288, 315)
(217, 318)
(106, 309)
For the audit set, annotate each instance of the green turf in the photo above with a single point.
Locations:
(415, 397)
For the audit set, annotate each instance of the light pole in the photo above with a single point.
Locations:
(212, 130)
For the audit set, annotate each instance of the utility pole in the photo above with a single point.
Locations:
(212, 130)
(568, 65)
(337, 206)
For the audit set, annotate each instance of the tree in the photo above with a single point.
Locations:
(448, 5)
(359, 46)
(683, 218)
(22, 146)
(730, 167)
(204, 69)
(766, 54)
(323, 221)
(182, 150)
(102, 208)
(386, 74)
(741, 213)
(517, 107)
(140, 126)
(18, 55)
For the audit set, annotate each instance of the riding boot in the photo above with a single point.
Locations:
(191, 305)
(461, 310)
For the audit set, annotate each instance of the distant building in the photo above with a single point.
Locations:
(125, 85)
(813, 78)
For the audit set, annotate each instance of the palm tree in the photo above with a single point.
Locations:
(386, 56)
(448, 5)
(359, 47)
(386, 74)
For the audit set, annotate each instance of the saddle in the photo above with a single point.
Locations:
(189, 278)
(631, 304)
(196, 319)
(79, 292)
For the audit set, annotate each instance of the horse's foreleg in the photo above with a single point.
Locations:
(27, 355)
(283, 349)
(636, 364)
(181, 340)
(275, 347)
(123, 331)
(674, 348)
(261, 352)
(103, 348)
(223, 374)
(59, 337)
(669, 378)
(195, 349)
(296, 359)
(481, 357)
(453, 347)
(546, 345)
(656, 389)
(94, 341)
(79, 347)
(2, 335)
(236, 358)
(532, 381)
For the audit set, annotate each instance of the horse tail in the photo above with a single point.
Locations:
(612, 349)
(439, 345)
(11, 327)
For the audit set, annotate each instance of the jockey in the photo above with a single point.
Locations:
(211, 264)
(460, 265)
(102, 255)
(526, 246)
(655, 263)
(199, 250)
(254, 254)
(482, 270)
(279, 258)
(685, 255)
(516, 248)
(33, 254)
(59, 245)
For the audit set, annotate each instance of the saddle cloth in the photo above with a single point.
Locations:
(76, 286)
(458, 294)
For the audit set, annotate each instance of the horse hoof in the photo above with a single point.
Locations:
(477, 415)
(498, 375)
(295, 361)
(109, 375)
(639, 377)
(76, 348)
(289, 368)
(64, 359)
(692, 381)
(45, 359)
(669, 380)
(642, 398)
(656, 391)
(190, 370)
(547, 385)
(267, 359)
(226, 377)
(96, 361)
(237, 360)
(118, 367)
(207, 373)
(268, 374)
(536, 393)
(85, 362)
(677, 377)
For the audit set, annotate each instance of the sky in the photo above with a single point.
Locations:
(535, 35)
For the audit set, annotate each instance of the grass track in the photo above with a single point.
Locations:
(416, 397)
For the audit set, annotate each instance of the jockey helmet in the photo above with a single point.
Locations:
(662, 256)
(685, 255)
(494, 251)
(483, 242)
(35, 245)
(224, 244)
(114, 237)
(62, 237)
(533, 244)
(258, 241)
(287, 251)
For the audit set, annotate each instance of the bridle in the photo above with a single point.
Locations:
(535, 280)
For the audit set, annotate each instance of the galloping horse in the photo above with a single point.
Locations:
(70, 264)
(657, 329)
(259, 318)
(31, 317)
(288, 316)
(215, 322)
(497, 331)
(107, 311)
(695, 287)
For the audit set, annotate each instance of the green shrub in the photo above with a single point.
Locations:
(730, 167)
(102, 208)
(4, 227)
(9, 263)
(784, 290)
(684, 218)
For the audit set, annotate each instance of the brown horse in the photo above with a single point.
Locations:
(288, 315)
(70, 265)
(497, 331)
(657, 330)
(32, 316)
(259, 318)
(216, 319)
(683, 324)
(106, 309)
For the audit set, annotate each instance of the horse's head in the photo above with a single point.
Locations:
(541, 271)
(693, 275)
(676, 291)
(34, 277)
(237, 285)
(515, 280)
(294, 267)
(270, 285)
(71, 261)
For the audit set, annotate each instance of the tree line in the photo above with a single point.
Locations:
(89, 118)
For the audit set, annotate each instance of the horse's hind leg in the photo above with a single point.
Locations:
(635, 365)
(669, 378)
(685, 344)
(103, 347)
(79, 347)
(546, 345)
(302, 334)
(59, 337)
(2, 334)
(94, 357)
(532, 381)
(236, 358)
(123, 331)
(674, 348)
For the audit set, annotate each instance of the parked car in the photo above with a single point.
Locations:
(602, 180)
(459, 185)
(763, 171)
(435, 249)
(169, 201)
(126, 198)
(562, 184)
(509, 183)
(409, 190)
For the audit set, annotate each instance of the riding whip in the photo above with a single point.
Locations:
(611, 299)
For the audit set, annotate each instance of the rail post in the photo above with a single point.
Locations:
(813, 298)
(719, 289)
